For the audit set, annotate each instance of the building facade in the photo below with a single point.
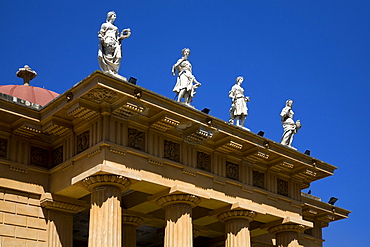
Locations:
(109, 163)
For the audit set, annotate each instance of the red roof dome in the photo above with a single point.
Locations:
(37, 95)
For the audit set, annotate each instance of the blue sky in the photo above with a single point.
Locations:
(314, 52)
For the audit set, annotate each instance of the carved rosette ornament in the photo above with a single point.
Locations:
(204, 161)
(171, 150)
(136, 139)
(83, 141)
(106, 179)
(232, 170)
(282, 187)
(258, 179)
(3, 147)
(39, 157)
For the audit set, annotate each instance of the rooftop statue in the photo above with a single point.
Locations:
(238, 110)
(110, 53)
(290, 128)
(186, 83)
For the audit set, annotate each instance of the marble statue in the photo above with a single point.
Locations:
(186, 83)
(110, 53)
(290, 128)
(238, 110)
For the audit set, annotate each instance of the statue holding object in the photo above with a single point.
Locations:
(110, 51)
(290, 128)
(239, 109)
(186, 83)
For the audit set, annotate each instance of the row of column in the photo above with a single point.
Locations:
(107, 225)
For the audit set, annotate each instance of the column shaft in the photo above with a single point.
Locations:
(105, 227)
(287, 234)
(60, 229)
(179, 226)
(237, 233)
(287, 239)
(129, 236)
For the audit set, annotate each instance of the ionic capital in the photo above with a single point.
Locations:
(287, 228)
(191, 200)
(106, 180)
(237, 214)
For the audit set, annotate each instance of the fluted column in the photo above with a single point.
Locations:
(130, 223)
(178, 216)
(237, 227)
(287, 234)
(105, 225)
(59, 218)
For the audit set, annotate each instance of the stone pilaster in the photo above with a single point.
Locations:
(287, 234)
(130, 223)
(237, 227)
(178, 216)
(60, 212)
(105, 226)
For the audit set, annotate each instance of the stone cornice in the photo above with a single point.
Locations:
(61, 204)
(287, 228)
(191, 200)
(237, 214)
(106, 180)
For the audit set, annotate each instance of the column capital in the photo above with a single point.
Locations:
(287, 228)
(191, 200)
(106, 180)
(62, 204)
(237, 214)
(132, 220)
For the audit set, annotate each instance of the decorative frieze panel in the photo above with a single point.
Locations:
(39, 157)
(83, 141)
(204, 161)
(102, 94)
(164, 123)
(171, 150)
(258, 179)
(3, 148)
(57, 154)
(257, 155)
(128, 110)
(282, 187)
(232, 170)
(197, 135)
(136, 139)
(229, 147)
